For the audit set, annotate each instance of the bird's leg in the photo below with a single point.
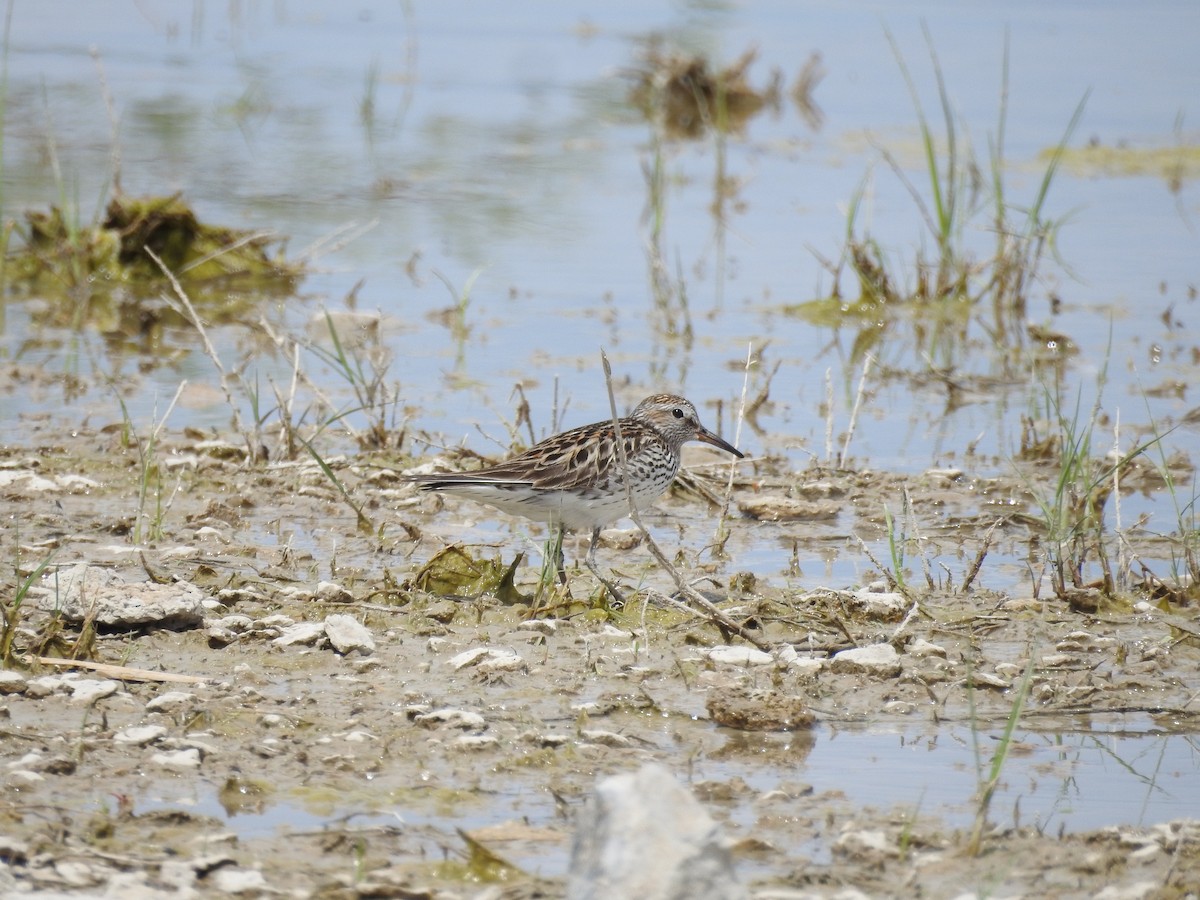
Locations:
(556, 542)
(590, 562)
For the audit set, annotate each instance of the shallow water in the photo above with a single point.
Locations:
(504, 147)
(1117, 773)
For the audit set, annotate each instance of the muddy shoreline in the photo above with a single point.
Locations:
(296, 768)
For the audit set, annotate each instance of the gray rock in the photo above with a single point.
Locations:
(171, 701)
(301, 633)
(348, 635)
(880, 660)
(83, 590)
(140, 735)
(89, 690)
(644, 835)
(12, 683)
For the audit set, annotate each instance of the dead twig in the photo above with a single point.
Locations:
(122, 673)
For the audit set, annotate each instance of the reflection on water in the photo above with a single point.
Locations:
(531, 168)
(1056, 782)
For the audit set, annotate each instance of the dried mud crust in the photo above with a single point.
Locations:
(299, 768)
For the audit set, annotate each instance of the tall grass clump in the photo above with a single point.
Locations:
(950, 282)
(1072, 490)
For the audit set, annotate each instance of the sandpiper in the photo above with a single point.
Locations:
(575, 480)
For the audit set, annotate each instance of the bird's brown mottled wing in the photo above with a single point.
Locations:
(581, 457)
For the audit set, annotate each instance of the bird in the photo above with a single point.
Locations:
(576, 480)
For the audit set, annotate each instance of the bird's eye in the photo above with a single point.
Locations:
(677, 413)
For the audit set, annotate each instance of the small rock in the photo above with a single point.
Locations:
(987, 680)
(886, 605)
(348, 635)
(60, 765)
(140, 735)
(757, 709)
(307, 633)
(44, 686)
(497, 658)
(79, 874)
(620, 538)
(740, 656)
(788, 509)
(229, 880)
(922, 648)
(30, 760)
(866, 844)
(502, 662)
(455, 718)
(605, 738)
(949, 474)
(1058, 660)
(171, 701)
(102, 595)
(12, 683)
(89, 690)
(610, 632)
(806, 665)
(644, 835)
(542, 626)
(329, 592)
(879, 660)
(475, 742)
(1138, 890)
(178, 760)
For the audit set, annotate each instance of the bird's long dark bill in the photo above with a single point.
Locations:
(709, 438)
